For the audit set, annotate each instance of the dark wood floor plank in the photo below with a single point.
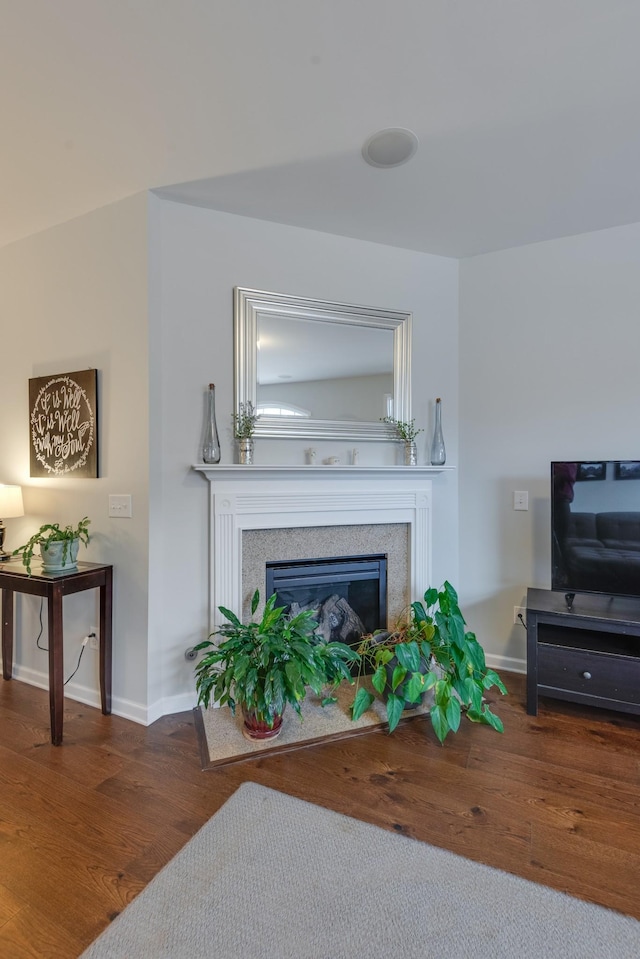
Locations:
(47, 866)
(585, 868)
(93, 822)
(10, 905)
(30, 935)
(591, 805)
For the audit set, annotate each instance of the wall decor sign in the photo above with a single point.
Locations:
(64, 424)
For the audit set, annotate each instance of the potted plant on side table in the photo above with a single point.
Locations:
(430, 651)
(58, 547)
(263, 666)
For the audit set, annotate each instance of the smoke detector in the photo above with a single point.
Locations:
(389, 148)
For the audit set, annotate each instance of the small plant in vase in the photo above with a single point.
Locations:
(244, 425)
(407, 432)
(58, 547)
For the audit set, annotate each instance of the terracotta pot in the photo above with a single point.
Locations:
(255, 728)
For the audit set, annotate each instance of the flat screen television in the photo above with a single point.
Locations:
(595, 527)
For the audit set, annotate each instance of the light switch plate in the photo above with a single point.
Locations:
(120, 505)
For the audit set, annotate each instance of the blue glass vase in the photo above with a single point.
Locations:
(438, 453)
(210, 441)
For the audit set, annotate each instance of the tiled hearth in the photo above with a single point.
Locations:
(304, 498)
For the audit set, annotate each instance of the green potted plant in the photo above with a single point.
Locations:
(430, 651)
(263, 666)
(407, 432)
(244, 425)
(58, 547)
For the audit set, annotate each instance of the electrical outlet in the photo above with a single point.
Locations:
(519, 611)
(521, 499)
(94, 641)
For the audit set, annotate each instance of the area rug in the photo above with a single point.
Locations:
(220, 732)
(273, 877)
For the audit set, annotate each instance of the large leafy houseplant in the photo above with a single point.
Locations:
(263, 666)
(430, 650)
(51, 533)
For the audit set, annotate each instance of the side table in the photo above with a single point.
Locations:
(15, 579)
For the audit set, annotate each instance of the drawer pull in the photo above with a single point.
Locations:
(586, 675)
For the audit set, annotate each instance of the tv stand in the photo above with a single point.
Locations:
(585, 652)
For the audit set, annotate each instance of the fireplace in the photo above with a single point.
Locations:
(264, 548)
(348, 594)
(260, 514)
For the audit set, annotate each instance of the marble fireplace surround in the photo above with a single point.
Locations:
(294, 497)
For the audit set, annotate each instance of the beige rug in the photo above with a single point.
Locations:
(273, 877)
(220, 732)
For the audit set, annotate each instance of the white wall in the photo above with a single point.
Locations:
(543, 364)
(74, 297)
(197, 257)
(549, 346)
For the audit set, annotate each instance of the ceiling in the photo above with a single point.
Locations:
(527, 113)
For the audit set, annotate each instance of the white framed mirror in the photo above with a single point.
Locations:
(318, 369)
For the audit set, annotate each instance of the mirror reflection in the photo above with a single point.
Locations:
(323, 371)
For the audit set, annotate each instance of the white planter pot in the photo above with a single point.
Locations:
(55, 557)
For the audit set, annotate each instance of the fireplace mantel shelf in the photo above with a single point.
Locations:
(272, 472)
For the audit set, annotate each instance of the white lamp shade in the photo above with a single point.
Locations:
(10, 501)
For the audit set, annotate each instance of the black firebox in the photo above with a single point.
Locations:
(347, 593)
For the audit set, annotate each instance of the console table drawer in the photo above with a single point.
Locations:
(592, 674)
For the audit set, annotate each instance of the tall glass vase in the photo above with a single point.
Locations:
(210, 441)
(438, 453)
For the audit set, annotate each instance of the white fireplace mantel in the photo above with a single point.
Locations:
(284, 497)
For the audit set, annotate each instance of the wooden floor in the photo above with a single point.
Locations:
(84, 826)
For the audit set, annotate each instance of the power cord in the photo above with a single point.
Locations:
(38, 637)
(84, 643)
(45, 649)
(521, 618)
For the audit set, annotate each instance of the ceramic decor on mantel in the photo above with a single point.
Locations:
(245, 451)
(410, 454)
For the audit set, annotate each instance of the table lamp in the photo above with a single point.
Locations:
(10, 506)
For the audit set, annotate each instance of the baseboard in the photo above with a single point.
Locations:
(124, 708)
(507, 663)
(169, 705)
